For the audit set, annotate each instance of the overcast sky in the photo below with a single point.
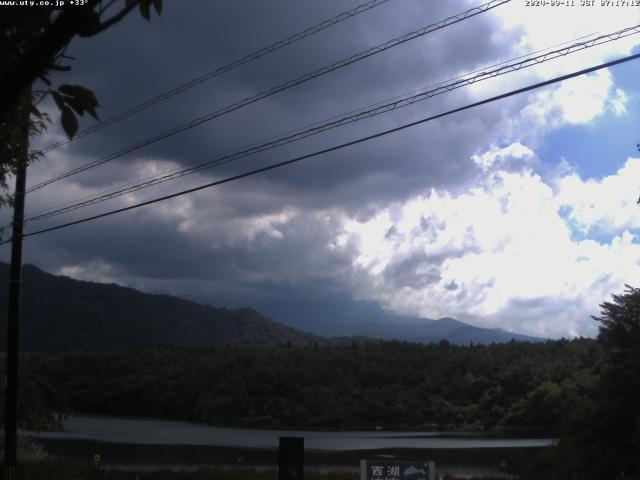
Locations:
(519, 214)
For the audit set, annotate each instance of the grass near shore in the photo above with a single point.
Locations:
(66, 469)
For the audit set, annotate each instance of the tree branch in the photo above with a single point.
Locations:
(107, 6)
(115, 19)
(18, 77)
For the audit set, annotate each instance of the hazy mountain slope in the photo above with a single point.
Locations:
(337, 314)
(424, 330)
(61, 314)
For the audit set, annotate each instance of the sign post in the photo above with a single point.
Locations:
(291, 458)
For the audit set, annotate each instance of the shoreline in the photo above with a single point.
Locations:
(431, 431)
(185, 457)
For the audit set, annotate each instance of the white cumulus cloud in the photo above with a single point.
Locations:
(503, 253)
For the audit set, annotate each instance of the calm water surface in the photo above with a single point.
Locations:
(148, 444)
(167, 432)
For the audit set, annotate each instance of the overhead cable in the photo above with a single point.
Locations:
(334, 148)
(379, 109)
(279, 88)
(297, 130)
(220, 70)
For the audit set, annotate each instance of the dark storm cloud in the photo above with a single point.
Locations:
(137, 60)
(416, 270)
(221, 244)
(204, 246)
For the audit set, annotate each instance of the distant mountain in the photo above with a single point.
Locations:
(62, 314)
(462, 334)
(337, 314)
(424, 330)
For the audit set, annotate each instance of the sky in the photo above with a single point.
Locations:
(519, 214)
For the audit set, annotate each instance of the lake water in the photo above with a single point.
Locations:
(168, 432)
(151, 444)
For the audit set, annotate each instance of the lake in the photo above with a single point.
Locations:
(150, 443)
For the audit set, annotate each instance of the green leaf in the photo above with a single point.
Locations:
(84, 100)
(76, 104)
(75, 91)
(92, 112)
(157, 4)
(58, 99)
(144, 9)
(69, 122)
(129, 3)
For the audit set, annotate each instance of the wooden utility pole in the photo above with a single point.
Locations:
(13, 317)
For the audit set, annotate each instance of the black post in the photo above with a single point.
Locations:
(13, 318)
(291, 458)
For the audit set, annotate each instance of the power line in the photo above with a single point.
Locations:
(220, 70)
(279, 88)
(337, 147)
(398, 102)
(258, 142)
(297, 130)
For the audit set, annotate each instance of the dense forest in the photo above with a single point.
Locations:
(516, 386)
(585, 391)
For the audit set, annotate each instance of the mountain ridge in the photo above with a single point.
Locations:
(65, 314)
(96, 316)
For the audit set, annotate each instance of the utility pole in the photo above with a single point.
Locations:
(13, 317)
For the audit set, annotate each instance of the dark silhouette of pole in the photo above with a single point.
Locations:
(13, 317)
(291, 458)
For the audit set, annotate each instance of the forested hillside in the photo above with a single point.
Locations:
(63, 314)
(518, 386)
